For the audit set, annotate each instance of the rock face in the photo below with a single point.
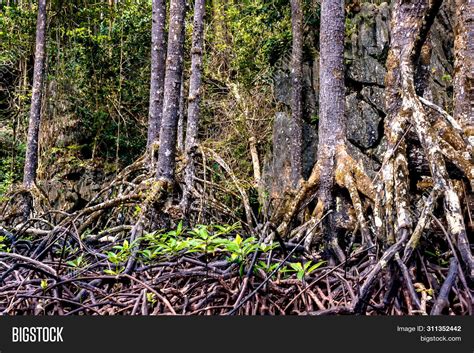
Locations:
(366, 49)
(282, 85)
(71, 183)
(277, 171)
(367, 45)
(363, 122)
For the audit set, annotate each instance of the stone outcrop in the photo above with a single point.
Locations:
(277, 171)
(366, 49)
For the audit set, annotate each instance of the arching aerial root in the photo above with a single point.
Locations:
(393, 213)
(398, 222)
(349, 175)
(392, 203)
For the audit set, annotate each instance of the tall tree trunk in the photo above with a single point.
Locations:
(411, 23)
(332, 133)
(194, 99)
(31, 158)
(182, 115)
(172, 87)
(335, 166)
(158, 57)
(464, 67)
(404, 53)
(296, 92)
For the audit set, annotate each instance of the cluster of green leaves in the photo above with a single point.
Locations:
(11, 162)
(208, 240)
(3, 244)
(97, 73)
(6, 179)
(77, 262)
(205, 240)
(214, 240)
(261, 34)
(118, 257)
(100, 61)
(301, 269)
(17, 30)
(350, 27)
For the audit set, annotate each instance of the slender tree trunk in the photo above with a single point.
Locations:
(194, 99)
(182, 115)
(172, 86)
(158, 57)
(31, 158)
(296, 92)
(331, 102)
(464, 67)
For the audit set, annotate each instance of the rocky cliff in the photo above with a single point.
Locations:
(367, 44)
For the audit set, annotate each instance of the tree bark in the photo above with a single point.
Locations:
(296, 92)
(410, 26)
(335, 166)
(464, 67)
(182, 115)
(194, 99)
(422, 74)
(172, 87)
(157, 79)
(31, 158)
(331, 101)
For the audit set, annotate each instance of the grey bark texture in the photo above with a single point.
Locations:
(194, 99)
(182, 115)
(464, 67)
(411, 22)
(157, 79)
(331, 97)
(296, 142)
(172, 88)
(392, 214)
(31, 158)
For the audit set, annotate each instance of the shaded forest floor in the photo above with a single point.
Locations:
(241, 277)
(127, 252)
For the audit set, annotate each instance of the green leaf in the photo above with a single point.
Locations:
(241, 269)
(110, 272)
(151, 298)
(238, 239)
(179, 229)
(296, 266)
(315, 266)
(232, 247)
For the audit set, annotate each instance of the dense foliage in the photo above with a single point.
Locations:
(334, 153)
(98, 73)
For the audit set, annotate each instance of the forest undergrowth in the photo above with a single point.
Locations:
(102, 260)
(151, 167)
